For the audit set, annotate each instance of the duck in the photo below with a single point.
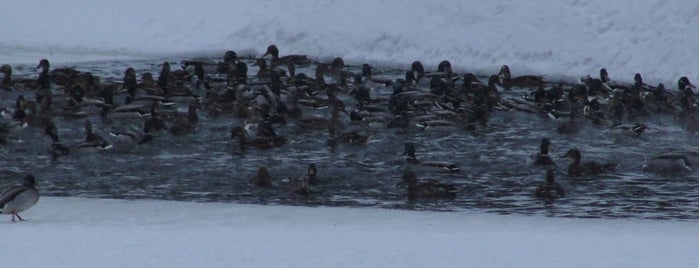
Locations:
(550, 189)
(410, 158)
(542, 158)
(262, 178)
(429, 189)
(265, 72)
(6, 82)
(285, 60)
(634, 130)
(185, 124)
(673, 161)
(19, 198)
(366, 72)
(92, 140)
(529, 81)
(262, 143)
(576, 168)
(302, 184)
(57, 148)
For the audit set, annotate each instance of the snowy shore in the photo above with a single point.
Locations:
(77, 232)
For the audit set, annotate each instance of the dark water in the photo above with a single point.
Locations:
(496, 173)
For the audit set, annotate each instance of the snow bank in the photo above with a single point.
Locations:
(567, 38)
(76, 232)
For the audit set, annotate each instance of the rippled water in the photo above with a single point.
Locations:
(496, 173)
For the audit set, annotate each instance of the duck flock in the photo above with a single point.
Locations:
(272, 102)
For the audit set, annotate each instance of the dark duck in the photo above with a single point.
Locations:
(19, 198)
(528, 81)
(577, 168)
(542, 158)
(285, 60)
(550, 189)
(429, 189)
(410, 158)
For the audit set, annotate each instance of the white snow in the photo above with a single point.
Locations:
(568, 38)
(77, 232)
(565, 38)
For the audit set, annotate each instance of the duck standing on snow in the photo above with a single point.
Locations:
(19, 198)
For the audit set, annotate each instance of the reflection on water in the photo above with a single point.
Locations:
(496, 175)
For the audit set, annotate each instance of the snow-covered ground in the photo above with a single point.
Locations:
(564, 38)
(76, 232)
(569, 38)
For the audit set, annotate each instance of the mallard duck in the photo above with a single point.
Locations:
(430, 189)
(550, 189)
(262, 178)
(529, 81)
(576, 168)
(19, 198)
(410, 158)
(542, 158)
(285, 60)
(673, 161)
(6, 82)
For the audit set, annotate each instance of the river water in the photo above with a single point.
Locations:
(496, 175)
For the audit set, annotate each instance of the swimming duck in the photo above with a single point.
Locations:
(285, 60)
(6, 82)
(57, 148)
(507, 81)
(262, 143)
(366, 72)
(430, 189)
(302, 184)
(542, 158)
(410, 158)
(576, 169)
(673, 161)
(550, 189)
(262, 178)
(92, 140)
(629, 129)
(185, 124)
(19, 198)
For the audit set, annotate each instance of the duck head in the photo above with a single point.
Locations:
(272, 50)
(6, 70)
(20, 102)
(683, 83)
(545, 146)
(44, 64)
(29, 181)
(264, 179)
(312, 171)
(409, 150)
(574, 154)
(603, 75)
(418, 68)
(366, 70)
(230, 56)
(637, 79)
(505, 72)
(445, 67)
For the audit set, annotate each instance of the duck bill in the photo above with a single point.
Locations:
(265, 55)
